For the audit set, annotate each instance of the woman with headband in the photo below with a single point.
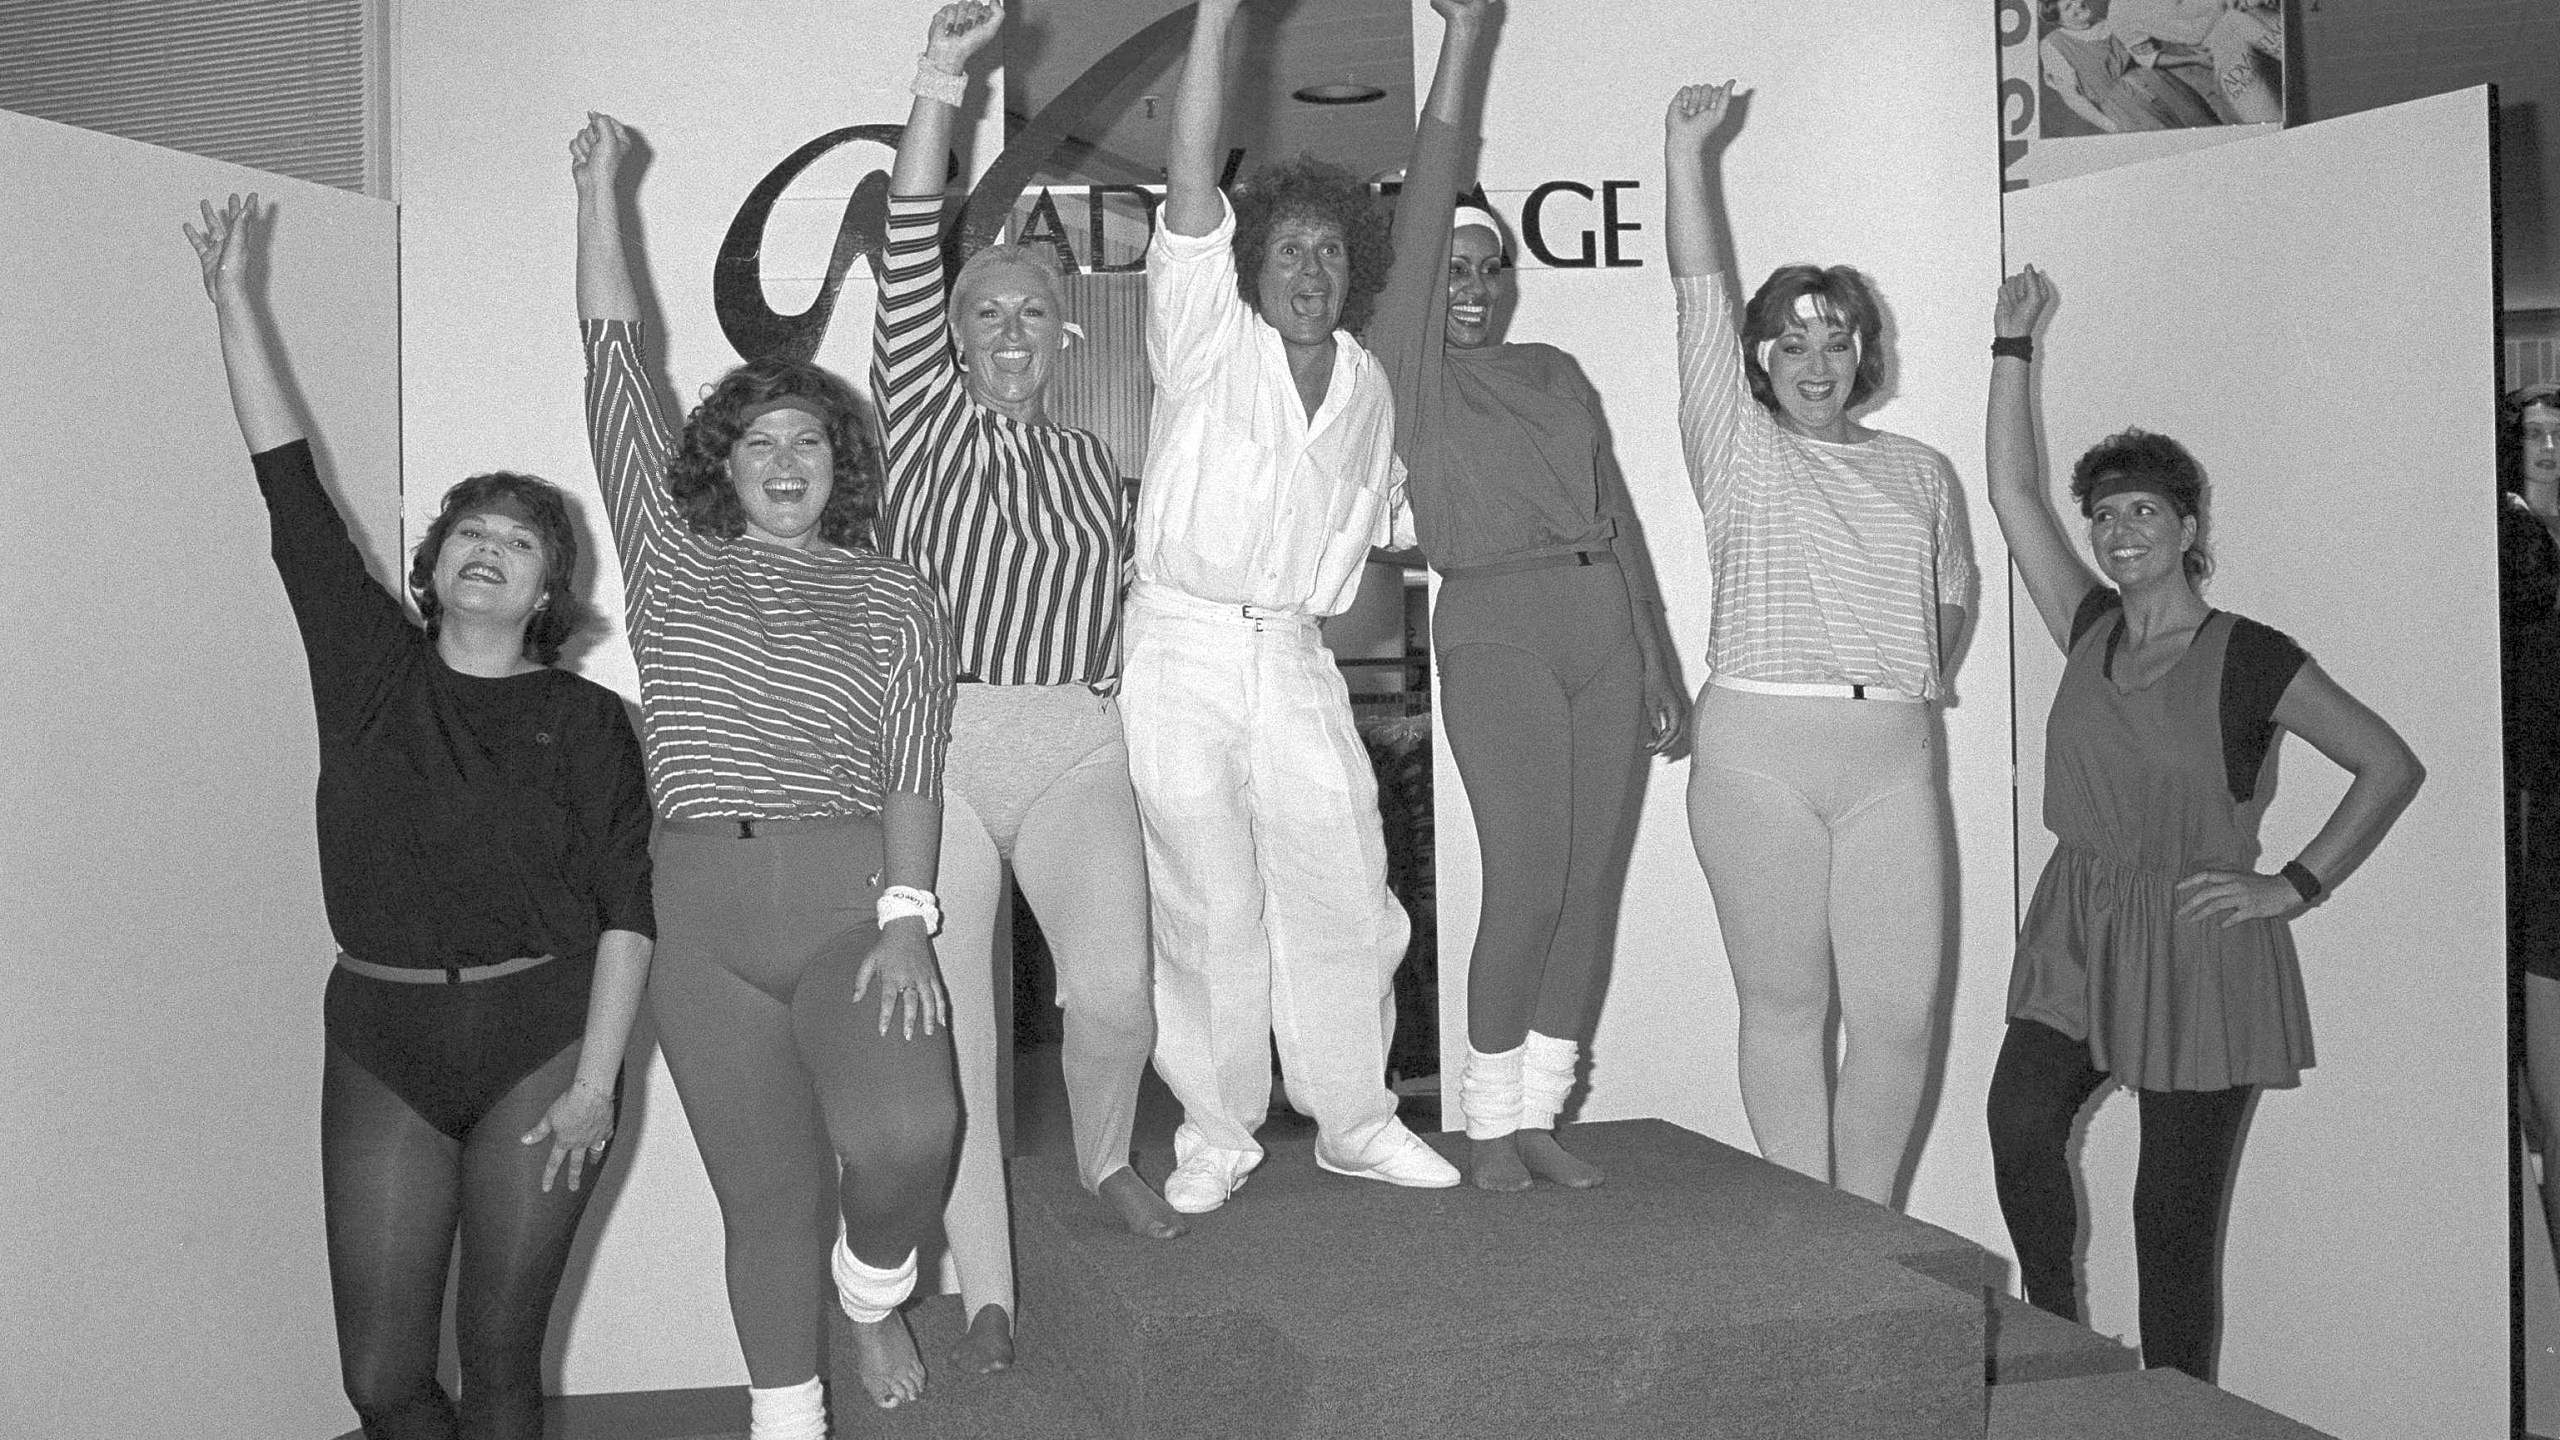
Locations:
(1841, 575)
(2155, 953)
(1023, 526)
(795, 698)
(1553, 662)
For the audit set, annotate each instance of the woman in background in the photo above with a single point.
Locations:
(795, 698)
(1554, 674)
(2529, 656)
(2155, 955)
(1841, 571)
(484, 835)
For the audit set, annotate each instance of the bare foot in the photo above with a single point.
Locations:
(1139, 1207)
(885, 1359)
(1548, 1161)
(988, 1347)
(1496, 1164)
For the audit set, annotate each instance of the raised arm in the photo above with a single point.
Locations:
(2056, 580)
(248, 352)
(956, 33)
(1191, 204)
(605, 288)
(1695, 115)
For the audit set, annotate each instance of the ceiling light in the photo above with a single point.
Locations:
(1338, 92)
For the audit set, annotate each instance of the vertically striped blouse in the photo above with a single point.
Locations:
(1023, 528)
(774, 682)
(1830, 561)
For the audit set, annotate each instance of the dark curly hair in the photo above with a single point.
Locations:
(2160, 465)
(1842, 291)
(1308, 189)
(698, 476)
(559, 614)
(2511, 408)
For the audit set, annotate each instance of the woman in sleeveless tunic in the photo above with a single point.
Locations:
(2154, 954)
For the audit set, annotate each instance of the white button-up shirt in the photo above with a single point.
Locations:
(1248, 500)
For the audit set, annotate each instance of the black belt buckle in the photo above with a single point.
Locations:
(1581, 557)
(746, 829)
(1857, 691)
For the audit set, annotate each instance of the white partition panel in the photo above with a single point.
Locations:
(1860, 142)
(162, 947)
(2310, 313)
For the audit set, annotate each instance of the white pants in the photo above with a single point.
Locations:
(1266, 870)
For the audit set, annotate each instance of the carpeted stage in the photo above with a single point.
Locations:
(1702, 1293)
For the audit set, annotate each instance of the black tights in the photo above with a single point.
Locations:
(397, 1189)
(2181, 1190)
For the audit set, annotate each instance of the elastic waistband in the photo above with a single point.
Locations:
(445, 975)
(1812, 690)
(1533, 562)
(750, 827)
(1179, 602)
(1105, 687)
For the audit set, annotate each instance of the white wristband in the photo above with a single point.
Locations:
(935, 83)
(899, 902)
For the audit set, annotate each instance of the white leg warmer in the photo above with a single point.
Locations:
(1546, 1077)
(868, 1295)
(788, 1412)
(1489, 1093)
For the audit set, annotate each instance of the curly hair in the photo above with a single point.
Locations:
(1838, 289)
(2511, 408)
(559, 615)
(2160, 465)
(1308, 189)
(698, 475)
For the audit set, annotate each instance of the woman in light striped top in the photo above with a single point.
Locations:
(1841, 576)
(795, 694)
(1023, 526)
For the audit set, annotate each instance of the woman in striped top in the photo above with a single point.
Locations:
(1841, 574)
(1023, 526)
(795, 694)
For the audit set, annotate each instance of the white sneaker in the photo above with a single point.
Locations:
(1205, 1178)
(1405, 1160)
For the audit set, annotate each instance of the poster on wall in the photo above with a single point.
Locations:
(2091, 84)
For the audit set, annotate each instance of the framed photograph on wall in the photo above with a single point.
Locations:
(2090, 84)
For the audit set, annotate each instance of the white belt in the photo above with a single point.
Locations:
(1822, 691)
(1173, 601)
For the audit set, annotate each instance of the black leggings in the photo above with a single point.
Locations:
(397, 1189)
(2181, 1190)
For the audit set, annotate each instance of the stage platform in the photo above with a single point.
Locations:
(1701, 1292)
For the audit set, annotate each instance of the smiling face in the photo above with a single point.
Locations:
(1479, 282)
(2541, 426)
(1011, 332)
(2139, 538)
(491, 567)
(1305, 277)
(783, 468)
(1812, 366)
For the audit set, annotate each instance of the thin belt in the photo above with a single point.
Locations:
(1180, 602)
(1105, 687)
(750, 827)
(441, 975)
(1822, 691)
(1533, 562)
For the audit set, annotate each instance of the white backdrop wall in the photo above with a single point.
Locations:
(2310, 313)
(162, 945)
(1901, 181)
(490, 93)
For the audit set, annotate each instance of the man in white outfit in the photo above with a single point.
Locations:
(1270, 474)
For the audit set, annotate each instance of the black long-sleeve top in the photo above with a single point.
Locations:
(462, 820)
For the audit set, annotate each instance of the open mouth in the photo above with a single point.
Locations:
(1312, 304)
(484, 573)
(1468, 315)
(1817, 392)
(786, 492)
(1011, 362)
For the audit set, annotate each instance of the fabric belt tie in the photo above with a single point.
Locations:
(753, 827)
(1533, 562)
(1826, 691)
(439, 975)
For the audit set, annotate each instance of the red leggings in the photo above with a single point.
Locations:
(805, 1113)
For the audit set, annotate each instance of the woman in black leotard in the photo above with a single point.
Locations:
(484, 832)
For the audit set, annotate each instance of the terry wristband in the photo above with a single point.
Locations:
(900, 902)
(2303, 881)
(2021, 347)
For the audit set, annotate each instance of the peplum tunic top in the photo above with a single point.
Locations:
(2143, 788)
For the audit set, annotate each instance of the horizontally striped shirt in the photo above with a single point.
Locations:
(1829, 561)
(1023, 528)
(774, 682)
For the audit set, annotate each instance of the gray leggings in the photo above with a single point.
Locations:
(1542, 690)
(804, 1111)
